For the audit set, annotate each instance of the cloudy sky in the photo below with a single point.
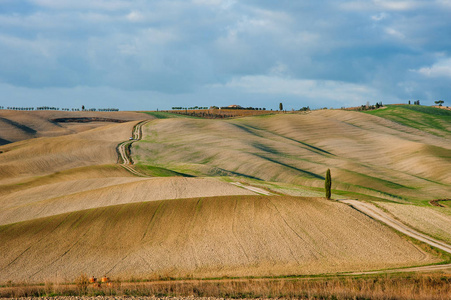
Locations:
(144, 55)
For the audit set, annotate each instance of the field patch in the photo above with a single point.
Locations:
(434, 221)
(203, 237)
(429, 119)
(37, 201)
(21, 125)
(24, 160)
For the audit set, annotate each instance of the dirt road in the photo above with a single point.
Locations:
(378, 214)
(252, 189)
(123, 148)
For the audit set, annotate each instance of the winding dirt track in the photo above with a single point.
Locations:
(378, 214)
(127, 162)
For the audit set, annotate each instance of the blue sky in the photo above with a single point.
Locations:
(144, 55)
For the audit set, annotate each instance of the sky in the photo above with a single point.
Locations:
(148, 55)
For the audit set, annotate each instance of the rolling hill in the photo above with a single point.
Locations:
(366, 154)
(67, 207)
(203, 237)
(53, 175)
(45, 156)
(429, 119)
(21, 125)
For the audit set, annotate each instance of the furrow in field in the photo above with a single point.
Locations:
(272, 235)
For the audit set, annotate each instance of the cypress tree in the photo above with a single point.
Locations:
(328, 184)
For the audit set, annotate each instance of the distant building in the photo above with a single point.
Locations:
(234, 106)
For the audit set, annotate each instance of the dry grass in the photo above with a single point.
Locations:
(419, 286)
(366, 154)
(434, 221)
(203, 237)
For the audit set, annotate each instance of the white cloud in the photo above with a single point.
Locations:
(279, 69)
(83, 4)
(223, 4)
(389, 5)
(135, 16)
(439, 69)
(173, 46)
(396, 5)
(159, 36)
(311, 89)
(379, 17)
(445, 3)
(37, 47)
(128, 49)
(395, 33)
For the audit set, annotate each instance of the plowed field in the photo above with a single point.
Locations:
(233, 236)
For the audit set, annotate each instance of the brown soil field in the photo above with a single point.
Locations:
(21, 125)
(434, 221)
(203, 237)
(66, 207)
(73, 195)
(366, 154)
(44, 156)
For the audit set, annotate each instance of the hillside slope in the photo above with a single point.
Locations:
(429, 119)
(52, 175)
(74, 195)
(366, 154)
(432, 220)
(220, 236)
(66, 207)
(44, 156)
(21, 125)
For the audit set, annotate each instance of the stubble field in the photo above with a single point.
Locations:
(204, 237)
(68, 207)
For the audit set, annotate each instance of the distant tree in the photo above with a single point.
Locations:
(280, 106)
(409, 102)
(328, 184)
(82, 107)
(439, 102)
